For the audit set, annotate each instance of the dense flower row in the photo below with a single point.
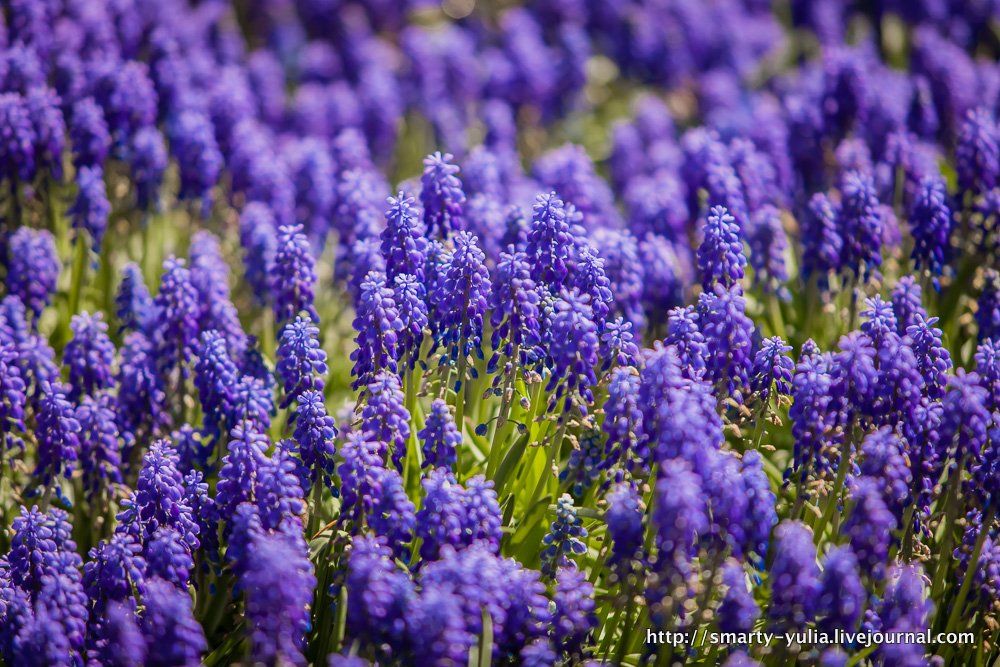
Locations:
(742, 373)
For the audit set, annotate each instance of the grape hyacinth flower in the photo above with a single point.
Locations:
(148, 162)
(215, 377)
(293, 275)
(680, 518)
(402, 240)
(33, 268)
(564, 539)
(861, 223)
(768, 243)
(795, 577)
(460, 298)
(930, 226)
(58, 435)
(12, 397)
(192, 141)
(550, 242)
(392, 515)
(91, 208)
(728, 331)
(441, 196)
(100, 450)
(378, 594)
(436, 628)
(172, 635)
(441, 520)
(440, 438)
(624, 519)
(89, 355)
(720, 255)
(314, 434)
(574, 616)
(869, 526)
(88, 134)
(907, 303)
(822, 243)
(301, 361)
(988, 311)
(133, 303)
(409, 296)
(977, 151)
(573, 349)
(772, 369)
(513, 307)
(176, 323)
(738, 611)
(378, 325)
(385, 418)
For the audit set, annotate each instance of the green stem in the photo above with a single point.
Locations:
(79, 275)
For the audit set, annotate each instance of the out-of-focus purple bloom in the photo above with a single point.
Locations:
(100, 450)
(965, 420)
(50, 129)
(293, 276)
(861, 224)
(173, 636)
(168, 557)
(88, 134)
(402, 240)
(768, 243)
(573, 350)
(148, 162)
(794, 576)
(133, 303)
(907, 303)
(436, 628)
(89, 355)
(869, 526)
(822, 243)
(977, 151)
(12, 396)
(90, 209)
(192, 141)
(574, 616)
(144, 405)
(441, 520)
(761, 515)
(841, 595)
(17, 142)
(738, 611)
(680, 518)
(440, 437)
(624, 519)
(988, 311)
(118, 640)
(301, 361)
(987, 367)
(884, 461)
(930, 226)
(32, 268)
(277, 586)
(392, 514)
(378, 594)
(176, 323)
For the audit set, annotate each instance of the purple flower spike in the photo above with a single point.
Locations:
(148, 161)
(441, 520)
(861, 223)
(436, 628)
(402, 240)
(58, 434)
(869, 526)
(91, 209)
(385, 417)
(988, 311)
(795, 582)
(728, 332)
(173, 636)
(574, 610)
(440, 437)
(822, 243)
(176, 324)
(441, 196)
(930, 226)
(133, 303)
(738, 611)
(772, 369)
(550, 243)
(410, 298)
(314, 434)
(841, 596)
(301, 361)
(89, 355)
(33, 268)
(720, 256)
(378, 594)
(215, 378)
(17, 142)
(680, 517)
(573, 349)
(977, 153)
(513, 310)
(88, 134)
(460, 298)
(293, 277)
(378, 325)
(192, 142)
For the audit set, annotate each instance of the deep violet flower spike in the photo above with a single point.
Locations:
(301, 361)
(680, 517)
(378, 326)
(564, 539)
(192, 141)
(549, 246)
(385, 418)
(624, 519)
(930, 226)
(402, 240)
(315, 432)
(293, 276)
(720, 255)
(795, 582)
(148, 162)
(977, 151)
(461, 298)
(215, 377)
(822, 243)
(168, 626)
(58, 434)
(88, 133)
(573, 349)
(133, 303)
(842, 596)
(574, 616)
(89, 355)
(176, 322)
(988, 311)
(91, 208)
(441, 195)
(378, 594)
(440, 438)
(441, 520)
(12, 396)
(861, 222)
(392, 515)
(513, 307)
(728, 334)
(410, 297)
(772, 369)
(277, 586)
(33, 268)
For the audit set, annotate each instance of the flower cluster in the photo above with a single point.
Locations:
(276, 388)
